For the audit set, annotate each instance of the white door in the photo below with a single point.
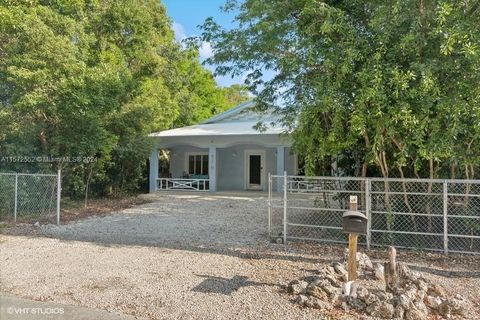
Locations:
(254, 169)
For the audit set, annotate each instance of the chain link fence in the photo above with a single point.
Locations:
(439, 215)
(30, 197)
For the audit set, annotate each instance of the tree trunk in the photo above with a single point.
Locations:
(428, 209)
(362, 187)
(43, 140)
(89, 177)
(453, 170)
(469, 175)
(388, 207)
(405, 198)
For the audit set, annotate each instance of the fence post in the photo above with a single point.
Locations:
(368, 211)
(59, 193)
(16, 199)
(445, 217)
(269, 204)
(285, 189)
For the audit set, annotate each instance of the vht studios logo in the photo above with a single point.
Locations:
(16, 310)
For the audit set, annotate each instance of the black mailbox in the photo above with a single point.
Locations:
(354, 222)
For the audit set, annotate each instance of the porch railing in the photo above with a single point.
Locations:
(182, 184)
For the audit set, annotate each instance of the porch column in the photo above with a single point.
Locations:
(212, 171)
(280, 167)
(153, 173)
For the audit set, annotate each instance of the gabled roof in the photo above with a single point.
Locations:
(234, 111)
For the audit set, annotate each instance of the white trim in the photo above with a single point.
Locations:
(204, 142)
(212, 170)
(263, 156)
(193, 153)
(181, 184)
(165, 145)
(153, 170)
(219, 129)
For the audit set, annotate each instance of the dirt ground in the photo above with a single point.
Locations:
(187, 256)
(75, 209)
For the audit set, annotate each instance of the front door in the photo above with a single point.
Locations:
(254, 170)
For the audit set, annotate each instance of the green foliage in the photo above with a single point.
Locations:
(92, 79)
(388, 86)
(236, 94)
(199, 95)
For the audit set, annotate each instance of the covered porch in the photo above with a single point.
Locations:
(219, 163)
(233, 168)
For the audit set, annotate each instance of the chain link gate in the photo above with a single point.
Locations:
(30, 197)
(426, 214)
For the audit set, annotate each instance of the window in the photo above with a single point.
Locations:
(198, 164)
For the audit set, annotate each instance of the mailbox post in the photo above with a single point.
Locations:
(354, 223)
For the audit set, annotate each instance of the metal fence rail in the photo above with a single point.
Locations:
(30, 197)
(430, 214)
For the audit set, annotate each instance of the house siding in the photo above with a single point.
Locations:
(231, 164)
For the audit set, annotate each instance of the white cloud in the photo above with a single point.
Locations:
(205, 50)
(179, 31)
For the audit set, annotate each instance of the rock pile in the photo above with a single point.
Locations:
(415, 298)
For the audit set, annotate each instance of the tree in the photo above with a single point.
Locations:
(93, 79)
(237, 94)
(200, 96)
(391, 86)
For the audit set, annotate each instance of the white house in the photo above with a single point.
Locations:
(222, 153)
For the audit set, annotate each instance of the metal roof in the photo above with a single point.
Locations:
(236, 121)
(235, 111)
(220, 129)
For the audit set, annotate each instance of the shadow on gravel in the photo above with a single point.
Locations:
(267, 252)
(447, 273)
(226, 286)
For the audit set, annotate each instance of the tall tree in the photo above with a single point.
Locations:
(200, 96)
(236, 94)
(393, 85)
(92, 79)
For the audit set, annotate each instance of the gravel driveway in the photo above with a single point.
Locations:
(183, 256)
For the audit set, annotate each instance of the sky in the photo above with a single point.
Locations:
(187, 15)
